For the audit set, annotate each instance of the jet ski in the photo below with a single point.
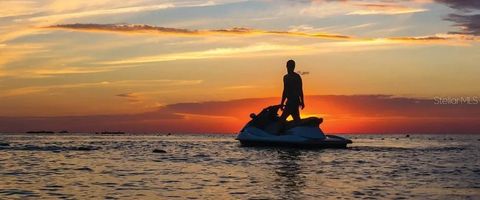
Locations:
(264, 130)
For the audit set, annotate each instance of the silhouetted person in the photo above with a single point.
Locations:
(292, 93)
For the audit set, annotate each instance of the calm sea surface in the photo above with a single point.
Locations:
(215, 167)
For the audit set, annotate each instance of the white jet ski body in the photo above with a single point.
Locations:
(261, 131)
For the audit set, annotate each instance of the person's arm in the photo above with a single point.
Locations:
(284, 94)
(302, 102)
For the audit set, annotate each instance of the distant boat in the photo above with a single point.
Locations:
(64, 131)
(37, 132)
(111, 133)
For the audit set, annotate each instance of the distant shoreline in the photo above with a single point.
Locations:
(171, 133)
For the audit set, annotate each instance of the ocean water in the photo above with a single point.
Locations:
(216, 167)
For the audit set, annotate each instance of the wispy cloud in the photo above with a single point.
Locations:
(39, 89)
(27, 15)
(46, 72)
(13, 53)
(456, 39)
(16, 8)
(323, 8)
(62, 10)
(52, 67)
(384, 9)
(206, 54)
(70, 15)
(266, 49)
(118, 84)
(239, 87)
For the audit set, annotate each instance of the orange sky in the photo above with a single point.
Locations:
(342, 114)
(131, 65)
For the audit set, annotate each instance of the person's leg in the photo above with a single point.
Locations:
(282, 121)
(284, 116)
(295, 112)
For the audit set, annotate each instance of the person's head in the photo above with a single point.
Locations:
(290, 66)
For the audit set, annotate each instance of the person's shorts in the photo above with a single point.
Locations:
(292, 107)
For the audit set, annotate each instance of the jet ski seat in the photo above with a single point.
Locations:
(310, 121)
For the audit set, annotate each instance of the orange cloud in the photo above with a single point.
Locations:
(141, 28)
(239, 31)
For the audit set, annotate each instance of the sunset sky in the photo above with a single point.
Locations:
(201, 66)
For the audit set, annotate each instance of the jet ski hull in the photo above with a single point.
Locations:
(299, 137)
(335, 142)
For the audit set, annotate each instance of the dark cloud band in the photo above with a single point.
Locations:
(465, 5)
(468, 24)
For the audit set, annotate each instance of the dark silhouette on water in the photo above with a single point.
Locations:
(292, 93)
(269, 129)
(110, 133)
(40, 132)
(159, 151)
